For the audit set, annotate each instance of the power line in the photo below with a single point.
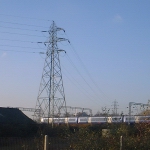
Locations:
(21, 51)
(25, 17)
(78, 85)
(16, 40)
(97, 97)
(19, 46)
(43, 52)
(8, 22)
(81, 75)
(21, 34)
(87, 70)
(19, 28)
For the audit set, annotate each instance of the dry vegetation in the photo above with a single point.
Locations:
(83, 137)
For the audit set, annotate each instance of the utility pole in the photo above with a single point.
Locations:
(51, 97)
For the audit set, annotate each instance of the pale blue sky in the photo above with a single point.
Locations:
(110, 37)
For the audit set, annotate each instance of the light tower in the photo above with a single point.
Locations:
(51, 97)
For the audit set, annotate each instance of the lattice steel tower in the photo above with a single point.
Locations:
(51, 97)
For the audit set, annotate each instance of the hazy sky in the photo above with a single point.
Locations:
(109, 51)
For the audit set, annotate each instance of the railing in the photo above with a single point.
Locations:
(106, 142)
(17, 143)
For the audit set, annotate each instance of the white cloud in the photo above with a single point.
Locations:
(4, 54)
(117, 19)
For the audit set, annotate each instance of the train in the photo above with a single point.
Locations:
(97, 120)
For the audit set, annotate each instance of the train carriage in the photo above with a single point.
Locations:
(97, 119)
(129, 119)
(72, 120)
(142, 119)
(115, 119)
(83, 120)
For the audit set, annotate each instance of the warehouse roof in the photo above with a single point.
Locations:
(13, 115)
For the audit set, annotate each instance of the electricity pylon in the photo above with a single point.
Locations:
(115, 105)
(51, 98)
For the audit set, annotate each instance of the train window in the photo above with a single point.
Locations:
(72, 119)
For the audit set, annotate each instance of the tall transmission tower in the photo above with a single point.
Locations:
(51, 98)
(115, 107)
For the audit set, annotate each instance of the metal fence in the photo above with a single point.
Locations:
(44, 143)
(17, 143)
(74, 143)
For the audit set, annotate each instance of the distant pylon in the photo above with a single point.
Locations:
(51, 97)
(115, 105)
